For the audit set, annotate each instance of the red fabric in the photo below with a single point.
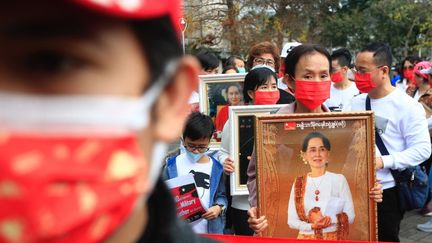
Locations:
(312, 93)
(336, 77)
(409, 75)
(266, 97)
(137, 9)
(67, 189)
(364, 82)
(251, 239)
(221, 118)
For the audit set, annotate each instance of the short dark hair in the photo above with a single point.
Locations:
(297, 52)
(382, 53)
(255, 78)
(263, 48)
(198, 126)
(159, 42)
(230, 61)
(343, 57)
(325, 140)
(207, 59)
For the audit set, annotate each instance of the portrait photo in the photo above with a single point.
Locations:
(314, 173)
(217, 93)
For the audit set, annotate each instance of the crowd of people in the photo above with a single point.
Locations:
(92, 93)
(314, 80)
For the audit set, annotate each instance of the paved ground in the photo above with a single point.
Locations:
(409, 232)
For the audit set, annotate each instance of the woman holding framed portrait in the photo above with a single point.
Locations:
(320, 205)
(308, 72)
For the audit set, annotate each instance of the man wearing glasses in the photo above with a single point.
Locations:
(401, 124)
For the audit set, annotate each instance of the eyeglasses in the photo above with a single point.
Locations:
(355, 70)
(262, 61)
(200, 149)
(411, 67)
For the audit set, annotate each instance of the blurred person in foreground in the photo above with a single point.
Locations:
(91, 92)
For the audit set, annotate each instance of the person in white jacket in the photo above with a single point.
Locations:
(401, 123)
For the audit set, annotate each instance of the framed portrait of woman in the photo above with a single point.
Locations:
(314, 173)
(242, 128)
(217, 93)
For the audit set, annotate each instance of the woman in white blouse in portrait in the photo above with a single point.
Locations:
(320, 205)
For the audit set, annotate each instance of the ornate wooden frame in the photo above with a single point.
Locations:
(352, 137)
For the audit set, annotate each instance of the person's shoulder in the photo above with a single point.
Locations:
(360, 97)
(287, 109)
(358, 102)
(215, 161)
(180, 158)
(403, 100)
(353, 88)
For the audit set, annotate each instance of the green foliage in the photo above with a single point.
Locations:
(397, 22)
(405, 24)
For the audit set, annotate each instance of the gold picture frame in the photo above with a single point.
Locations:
(282, 184)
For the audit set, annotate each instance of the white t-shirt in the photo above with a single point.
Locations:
(201, 172)
(401, 121)
(341, 98)
(334, 197)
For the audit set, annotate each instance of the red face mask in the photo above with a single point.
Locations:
(409, 74)
(312, 93)
(364, 82)
(69, 170)
(337, 77)
(73, 183)
(266, 97)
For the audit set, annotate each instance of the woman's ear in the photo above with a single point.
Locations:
(290, 82)
(172, 108)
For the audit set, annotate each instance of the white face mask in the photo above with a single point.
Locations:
(262, 66)
(75, 115)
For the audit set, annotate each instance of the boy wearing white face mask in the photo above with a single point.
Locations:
(206, 170)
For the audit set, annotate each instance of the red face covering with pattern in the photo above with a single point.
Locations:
(72, 189)
(312, 94)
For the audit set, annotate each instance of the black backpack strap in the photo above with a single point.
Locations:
(378, 140)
